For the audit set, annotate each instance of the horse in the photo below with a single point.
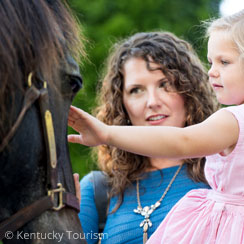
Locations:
(40, 46)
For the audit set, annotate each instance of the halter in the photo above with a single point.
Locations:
(57, 197)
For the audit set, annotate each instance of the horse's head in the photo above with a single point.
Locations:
(39, 79)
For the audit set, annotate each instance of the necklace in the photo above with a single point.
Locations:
(147, 211)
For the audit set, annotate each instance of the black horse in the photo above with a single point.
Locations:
(38, 80)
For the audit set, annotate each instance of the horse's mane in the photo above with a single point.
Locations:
(34, 37)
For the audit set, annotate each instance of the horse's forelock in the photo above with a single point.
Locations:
(34, 36)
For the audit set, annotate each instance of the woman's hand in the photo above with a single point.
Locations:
(77, 186)
(92, 131)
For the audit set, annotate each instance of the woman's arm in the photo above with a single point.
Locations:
(219, 132)
(77, 186)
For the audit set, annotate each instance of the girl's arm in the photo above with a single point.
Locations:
(219, 132)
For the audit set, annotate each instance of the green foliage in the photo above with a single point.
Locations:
(106, 21)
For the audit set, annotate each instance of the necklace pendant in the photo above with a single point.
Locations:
(149, 223)
(145, 237)
(157, 204)
(142, 223)
(138, 210)
(146, 223)
(147, 211)
(145, 227)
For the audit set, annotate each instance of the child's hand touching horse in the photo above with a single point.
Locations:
(92, 131)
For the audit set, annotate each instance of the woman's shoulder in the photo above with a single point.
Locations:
(95, 186)
(94, 176)
(86, 181)
(87, 186)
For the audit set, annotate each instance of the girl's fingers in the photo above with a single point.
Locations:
(75, 111)
(70, 122)
(75, 138)
(73, 115)
(75, 118)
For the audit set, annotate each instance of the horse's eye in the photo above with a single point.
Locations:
(75, 83)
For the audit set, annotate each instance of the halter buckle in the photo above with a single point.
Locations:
(60, 191)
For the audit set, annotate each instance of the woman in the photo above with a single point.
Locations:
(152, 79)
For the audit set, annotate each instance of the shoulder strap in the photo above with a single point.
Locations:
(100, 183)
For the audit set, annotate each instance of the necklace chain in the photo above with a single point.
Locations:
(147, 211)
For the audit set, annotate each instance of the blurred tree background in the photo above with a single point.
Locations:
(107, 21)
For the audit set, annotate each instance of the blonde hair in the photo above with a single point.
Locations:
(233, 25)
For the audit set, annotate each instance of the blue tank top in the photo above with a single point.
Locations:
(123, 226)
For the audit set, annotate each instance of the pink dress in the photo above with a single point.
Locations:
(205, 216)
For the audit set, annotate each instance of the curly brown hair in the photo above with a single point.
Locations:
(183, 69)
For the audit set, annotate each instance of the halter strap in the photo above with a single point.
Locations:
(57, 197)
(31, 95)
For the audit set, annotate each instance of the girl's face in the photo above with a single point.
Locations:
(145, 98)
(226, 74)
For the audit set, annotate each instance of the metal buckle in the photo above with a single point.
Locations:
(29, 81)
(59, 190)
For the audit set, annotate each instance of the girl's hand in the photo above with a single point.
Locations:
(92, 131)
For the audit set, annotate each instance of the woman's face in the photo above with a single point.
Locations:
(145, 98)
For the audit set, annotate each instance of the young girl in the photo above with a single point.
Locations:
(202, 215)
